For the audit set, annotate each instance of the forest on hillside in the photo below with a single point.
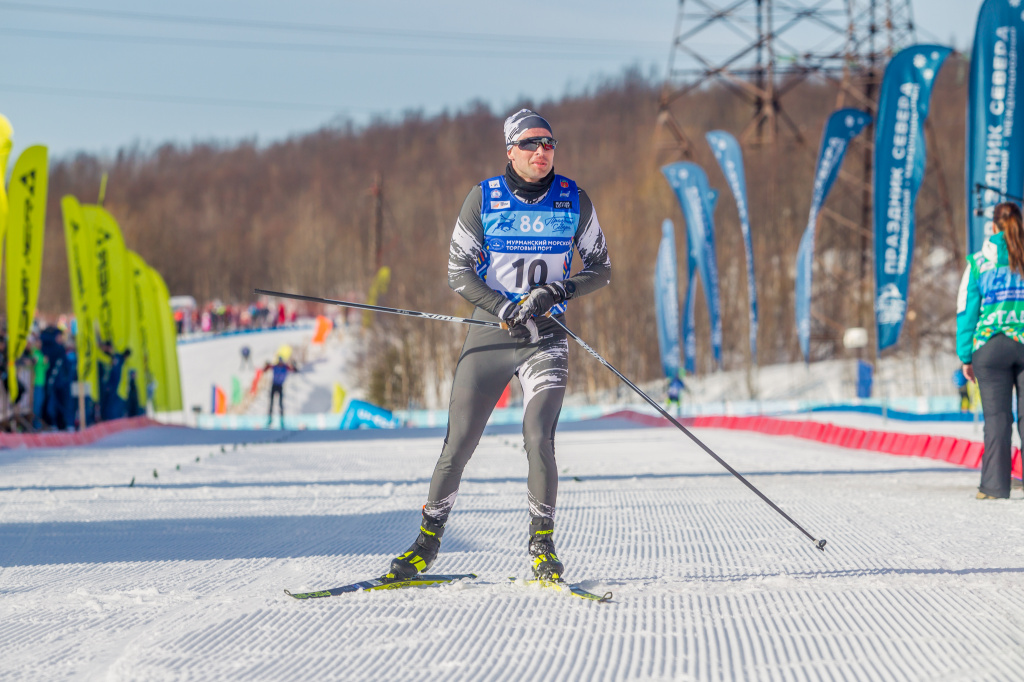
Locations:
(219, 219)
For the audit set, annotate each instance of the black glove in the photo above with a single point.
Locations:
(525, 331)
(541, 299)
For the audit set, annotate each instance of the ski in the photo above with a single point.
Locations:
(383, 583)
(575, 589)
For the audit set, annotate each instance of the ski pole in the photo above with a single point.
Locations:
(820, 544)
(380, 308)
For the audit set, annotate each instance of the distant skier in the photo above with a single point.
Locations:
(514, 279)
(675, 389)
(246, 358)
(279, 371)
(960, 381)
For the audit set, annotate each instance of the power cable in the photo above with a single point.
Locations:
(277, 26)
(176, 99)
(302, 47)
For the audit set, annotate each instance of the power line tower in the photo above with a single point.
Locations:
(764, 52)
(762, 49)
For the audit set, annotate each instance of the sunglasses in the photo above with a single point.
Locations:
(530, 144)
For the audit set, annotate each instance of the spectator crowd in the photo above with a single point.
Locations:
(47, 398)
(217, 317)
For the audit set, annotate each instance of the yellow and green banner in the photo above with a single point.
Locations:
(79, 243)
(26, 222)
(169, 385)
(6, 133)
(337, 399)
(113, 307)
(138, 361)
(150, 334)
(377, 289)
(112, 312)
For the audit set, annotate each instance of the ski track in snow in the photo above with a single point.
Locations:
(182, 576)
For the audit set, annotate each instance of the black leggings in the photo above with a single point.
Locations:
(999, 366)
(278, 390)
(489, 360)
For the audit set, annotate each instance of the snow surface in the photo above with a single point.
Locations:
(182, 576)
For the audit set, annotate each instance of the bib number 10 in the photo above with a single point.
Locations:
(536, 271)
(526, 226)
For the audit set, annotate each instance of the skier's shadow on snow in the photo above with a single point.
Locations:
(201, 539)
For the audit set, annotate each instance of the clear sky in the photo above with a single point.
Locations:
(97, 75)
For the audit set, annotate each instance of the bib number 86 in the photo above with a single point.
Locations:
(525, 226)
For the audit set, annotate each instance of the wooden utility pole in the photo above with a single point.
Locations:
(377, 237)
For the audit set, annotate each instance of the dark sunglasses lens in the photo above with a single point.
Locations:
(530, 144)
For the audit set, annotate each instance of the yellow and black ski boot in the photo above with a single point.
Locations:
(546, 565)
(421, 555)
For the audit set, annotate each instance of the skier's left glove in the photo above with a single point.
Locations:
(541, 299)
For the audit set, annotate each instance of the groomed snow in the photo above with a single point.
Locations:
(182, 576)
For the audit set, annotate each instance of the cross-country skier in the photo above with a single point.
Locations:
(246, 358)
(515, 277)
(675, 387)
(279, 372)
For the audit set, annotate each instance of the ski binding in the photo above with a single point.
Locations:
(575, 589)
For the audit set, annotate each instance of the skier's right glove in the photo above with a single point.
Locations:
(540, 299)
(525, 331)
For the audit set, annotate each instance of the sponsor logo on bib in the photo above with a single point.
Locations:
(563, 204)
(493, 183)
(498, 205)
(495, 193)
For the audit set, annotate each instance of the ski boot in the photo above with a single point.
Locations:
(421, 555)
(546, 565)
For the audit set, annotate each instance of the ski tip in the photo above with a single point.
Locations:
(821, 544)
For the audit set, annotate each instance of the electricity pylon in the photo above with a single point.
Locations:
(763, 51)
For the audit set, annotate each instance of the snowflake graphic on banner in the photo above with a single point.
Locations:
(890, 305)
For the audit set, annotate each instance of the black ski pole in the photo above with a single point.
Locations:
(379, 308)
(820, 544)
